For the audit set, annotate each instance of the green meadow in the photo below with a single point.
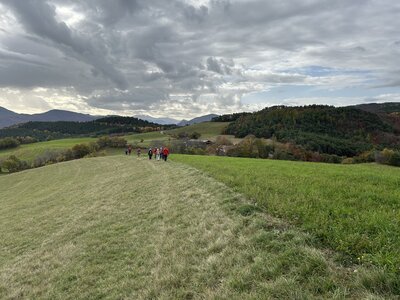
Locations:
(353, 209)
(30, 151)
(206, 129)
(107, 227)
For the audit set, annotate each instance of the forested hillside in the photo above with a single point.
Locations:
(51, 130)
(343, 131)
(388, 107)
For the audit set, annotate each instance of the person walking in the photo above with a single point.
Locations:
(161, 153)
(138, 151)
(150, 153)
(129, 149)
(157, 154)
(165, 153)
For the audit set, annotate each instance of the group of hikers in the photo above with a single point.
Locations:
(158, 153)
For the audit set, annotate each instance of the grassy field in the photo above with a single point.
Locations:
(354, 209)
(206, 129)
(109, 228)
(30, 151)
(144, 140)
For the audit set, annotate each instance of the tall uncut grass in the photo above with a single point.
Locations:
(352, 209)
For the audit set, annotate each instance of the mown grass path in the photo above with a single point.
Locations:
(121, 227)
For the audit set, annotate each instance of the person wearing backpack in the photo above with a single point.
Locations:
(165, 153)
(150, 153)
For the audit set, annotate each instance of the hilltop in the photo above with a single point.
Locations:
(380, 108)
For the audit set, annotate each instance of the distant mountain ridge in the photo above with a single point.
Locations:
(162, 121)
(201, 119)
(9, 118)
(168, 121)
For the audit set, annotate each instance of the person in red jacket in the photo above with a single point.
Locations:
(165, 153)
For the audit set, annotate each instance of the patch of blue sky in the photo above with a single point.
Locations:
(320, 71)
(287, 92)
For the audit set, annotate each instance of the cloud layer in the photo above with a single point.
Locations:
(187, 58)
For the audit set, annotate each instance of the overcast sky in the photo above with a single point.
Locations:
(183, 59)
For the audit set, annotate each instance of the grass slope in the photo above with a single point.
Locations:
(121, 227)
(354, 209)
(144, 139)
(206, 129)
(30, 151)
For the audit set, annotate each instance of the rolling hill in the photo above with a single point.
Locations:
(343, 131)
(99, 228)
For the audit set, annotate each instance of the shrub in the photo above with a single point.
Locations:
(27, 139)
(395, 159)
(348, 160)
(113, 142)
(367, 156)
(247, 147)
(13, 164)
(194, 135)
(223, 140)
(103, 142)
(49, 157)
(183, 135)
(388, 157)
(8, 142)
(331, 158)
(93, 147)
(117, 142)
(80, 150)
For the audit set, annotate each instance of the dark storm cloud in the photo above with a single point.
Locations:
(133, 54)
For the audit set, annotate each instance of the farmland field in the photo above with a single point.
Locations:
(107, 228)
(354, 209)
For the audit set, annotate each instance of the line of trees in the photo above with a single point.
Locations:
(9, 142)
(42, 131)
